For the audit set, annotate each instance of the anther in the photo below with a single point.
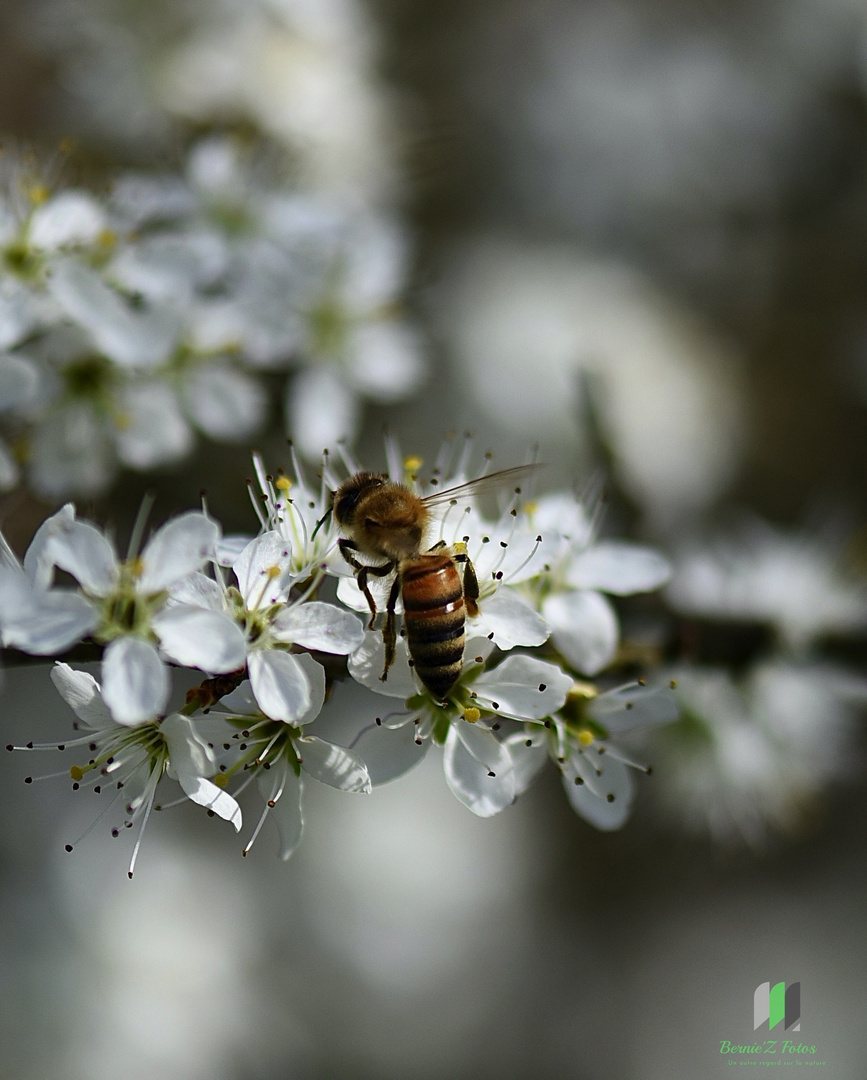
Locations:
(610, 796)
(67, 847)
(542, 687)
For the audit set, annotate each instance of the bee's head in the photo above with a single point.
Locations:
(347, 497)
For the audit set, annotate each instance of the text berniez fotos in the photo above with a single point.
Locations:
(769, 1046)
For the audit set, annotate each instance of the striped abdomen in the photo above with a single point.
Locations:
(434, 617)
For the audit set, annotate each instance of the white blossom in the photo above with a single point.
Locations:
(580, 570)
(127, 600)
(478, 766)
(596, 772)
(750, 757)
(130, 760)
(794, 582)
(275, 752)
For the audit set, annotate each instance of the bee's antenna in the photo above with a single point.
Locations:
(321, 522)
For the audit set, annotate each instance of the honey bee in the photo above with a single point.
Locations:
(382, 519)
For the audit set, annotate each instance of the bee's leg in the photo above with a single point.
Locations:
(362, 573)
(471, 582)
(389, 634)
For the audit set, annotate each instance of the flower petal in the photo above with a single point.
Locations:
(224, 403)
(478, 769)
(384, 360)
(189, 761)
(81, 549)
(320, 411)
(194, 637)
(333, 765)
(264, 570)
(528, 752)
(197, 590)
(607, 803)
(583, 628)
(280, 684)
(70, 217)
(19, 382)
(37, 562)
(523, 686)
(511, 620)
(131, 338)
(81, 693)
(366, 664)
(287, 808)
(135, 682)
(151, 429)
(177, 549)
(619, 567)
(319, 626)
(634, 706)
(42, 623)
(390, 752)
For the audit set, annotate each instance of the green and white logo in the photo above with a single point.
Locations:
(775, 1004)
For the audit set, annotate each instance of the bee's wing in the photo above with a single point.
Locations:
(495, 481)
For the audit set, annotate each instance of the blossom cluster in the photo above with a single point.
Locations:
(131, 323)
(760, 738)
(270, 623)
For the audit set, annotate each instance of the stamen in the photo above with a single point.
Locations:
(139, 525)
(147, 798)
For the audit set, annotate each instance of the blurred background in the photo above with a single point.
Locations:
(635, 234)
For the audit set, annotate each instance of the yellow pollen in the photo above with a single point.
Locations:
(530, 507)
(107, 238)
(283, 483)
(273, 571)
(459, 548)
(221, 780)
(584, 690)
(471, 715)
(36, 193)
(76, 773)
(585, 737)
(673, 684)
(412, 463)
(136, 566)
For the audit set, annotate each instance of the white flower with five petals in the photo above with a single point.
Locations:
(128, 599)
(580, 570)
(133, 758)
(478, 766)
